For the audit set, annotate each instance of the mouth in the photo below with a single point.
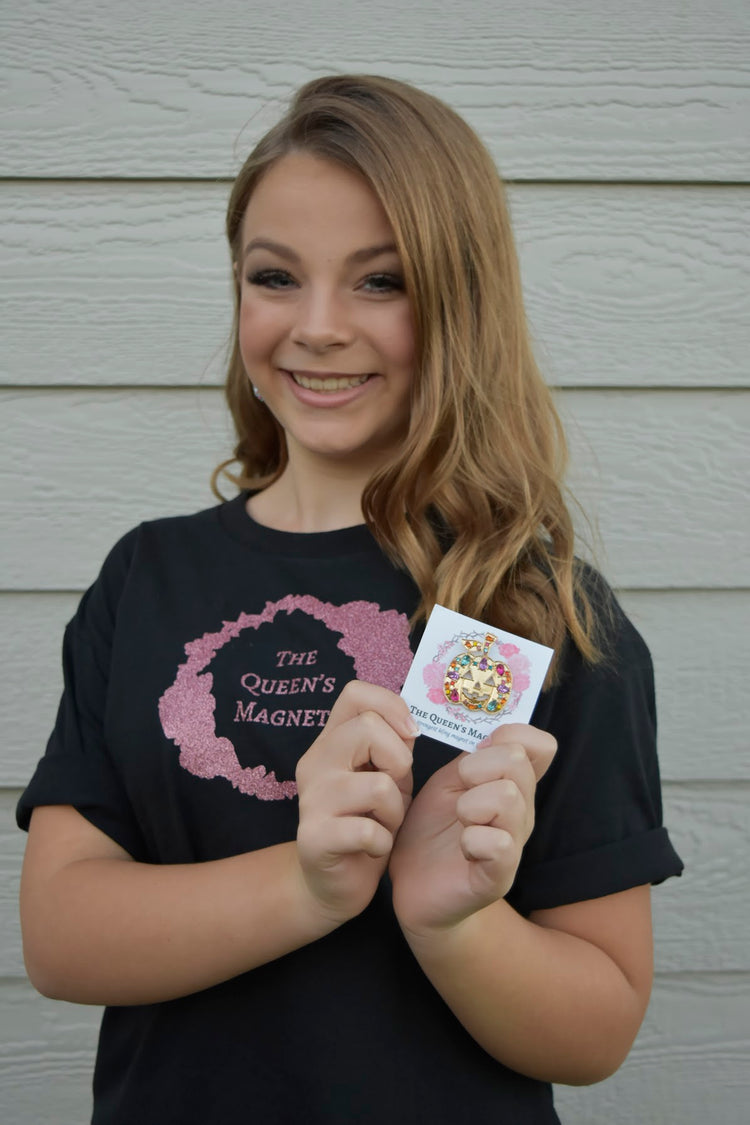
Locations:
(327, 383)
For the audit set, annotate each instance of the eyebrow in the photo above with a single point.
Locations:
(359, 256)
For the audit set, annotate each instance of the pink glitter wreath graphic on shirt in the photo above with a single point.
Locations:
(433, 675)
(186, 709)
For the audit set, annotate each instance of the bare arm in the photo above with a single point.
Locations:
(559, 996)
(100, 928)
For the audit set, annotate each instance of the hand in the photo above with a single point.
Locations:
(459, 847)
(354, 787)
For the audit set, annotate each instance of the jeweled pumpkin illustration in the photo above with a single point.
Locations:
(478, 673)
(476, 681)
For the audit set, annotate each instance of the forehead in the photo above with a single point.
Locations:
(302, 195)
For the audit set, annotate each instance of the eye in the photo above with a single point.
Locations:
(271, 279)
(383, 283)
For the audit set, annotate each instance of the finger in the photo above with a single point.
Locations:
(491, 763)
(490, 845)
(540, 745)
(345, 794)
(499, 804)
(372, 743)
(358, 697)
(365, 742)
(328, 841)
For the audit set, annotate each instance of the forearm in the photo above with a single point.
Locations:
(101, 928)
(112, 931)
(544, 1002)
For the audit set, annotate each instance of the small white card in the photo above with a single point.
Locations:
(468, 678)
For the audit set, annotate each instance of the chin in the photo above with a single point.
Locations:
(343, 449)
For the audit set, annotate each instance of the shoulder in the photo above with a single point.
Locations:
(610, 701)
(175, 531)
(178, 530)
(163, 544)
(617, 638)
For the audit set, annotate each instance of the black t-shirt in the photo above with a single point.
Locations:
(199, 667)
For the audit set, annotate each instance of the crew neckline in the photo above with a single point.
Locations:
(238, 522)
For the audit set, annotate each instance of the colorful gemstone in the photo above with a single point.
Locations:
(489, 692)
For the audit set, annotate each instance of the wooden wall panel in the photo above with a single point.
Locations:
(664, 474)
(665, 477)
(637, 286)
(690, 1064)
(623, 131)
(700, 644)
(46, 1058)
(585, 91)
(701, 919)
(689, 632)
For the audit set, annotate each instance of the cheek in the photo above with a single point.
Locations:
(259, 331)
(401, 342)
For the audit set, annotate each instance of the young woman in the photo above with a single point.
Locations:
(292, 909)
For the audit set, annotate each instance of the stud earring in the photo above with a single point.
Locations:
(257, 394)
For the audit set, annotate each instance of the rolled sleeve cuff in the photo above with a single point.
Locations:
(646, 858)
(62, 779)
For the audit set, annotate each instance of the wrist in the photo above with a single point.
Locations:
(312, 908)
(497, 927)
(446, 938)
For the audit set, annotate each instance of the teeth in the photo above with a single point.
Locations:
(330, 383)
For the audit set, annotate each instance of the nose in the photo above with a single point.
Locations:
(321, 322)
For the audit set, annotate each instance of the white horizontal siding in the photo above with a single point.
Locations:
(663, 473)
(690, 1064)
(589, 90)
(708, 826)
(693, 635)
(631, 288)
(46, 1058)
(635, 286)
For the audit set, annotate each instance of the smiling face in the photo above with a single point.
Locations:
(325, 328)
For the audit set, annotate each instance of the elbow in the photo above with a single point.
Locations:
(44, 975)
(55, 985)
(50, 972)
(45, 982)
(606, 1038)
(38, 951)
(568, 1062)
(597, 1063)
(593, 1054)
(590, 1073)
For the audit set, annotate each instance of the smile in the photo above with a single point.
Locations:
(328, 383)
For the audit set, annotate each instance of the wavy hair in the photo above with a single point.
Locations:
(473, 504)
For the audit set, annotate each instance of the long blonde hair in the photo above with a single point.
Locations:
(473, 504)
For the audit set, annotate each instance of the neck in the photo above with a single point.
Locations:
(312, 497)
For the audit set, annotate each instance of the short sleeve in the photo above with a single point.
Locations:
(76, 768)
(598, 823)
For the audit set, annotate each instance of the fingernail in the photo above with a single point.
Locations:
(484, 742)
(412, 729)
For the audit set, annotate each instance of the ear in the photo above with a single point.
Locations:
(236, 273)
